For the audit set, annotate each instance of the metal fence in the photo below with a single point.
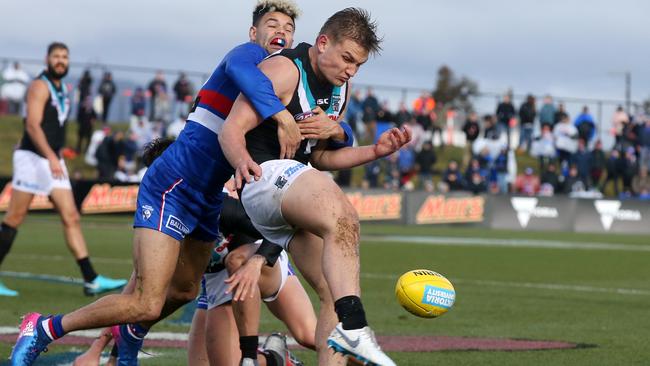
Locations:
(127, 77)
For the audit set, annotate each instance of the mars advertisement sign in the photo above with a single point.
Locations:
(104, 198)
(380, 205)
(439, 209)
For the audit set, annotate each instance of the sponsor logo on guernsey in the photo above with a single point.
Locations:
(336, 101)
(175, 224)
(281, 182)
(437, 296)
(146, 212)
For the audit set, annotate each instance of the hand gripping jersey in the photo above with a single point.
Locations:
(262, 142)
(181, 191)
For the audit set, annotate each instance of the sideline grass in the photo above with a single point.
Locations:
(494, 298)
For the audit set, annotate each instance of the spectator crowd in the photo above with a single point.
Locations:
(570, 158)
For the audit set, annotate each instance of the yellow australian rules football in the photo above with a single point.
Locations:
(425, 293)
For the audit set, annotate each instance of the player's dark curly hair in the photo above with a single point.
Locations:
(354, 24)
(287, 7)
(154, 149)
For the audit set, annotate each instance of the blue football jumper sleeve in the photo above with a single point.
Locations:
(241, 68)
(349, 138)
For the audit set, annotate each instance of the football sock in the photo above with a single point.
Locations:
(7, 236)
(87, 270)
(272, 358)
(248, 346)
(135, 332)
(53, 327)
(350, 312)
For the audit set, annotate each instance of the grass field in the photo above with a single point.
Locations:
(597, 296)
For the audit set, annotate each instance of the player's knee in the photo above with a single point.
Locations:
(15, 217)
(146, 309)
(183, 294)
(71, 218)
(151, 310)
(234, 261)
(305, 337)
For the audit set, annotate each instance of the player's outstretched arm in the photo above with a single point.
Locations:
(349, 157)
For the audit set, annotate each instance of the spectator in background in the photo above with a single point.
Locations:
(85, 117)
(619, 120)
(156, 86)
(14, 87)
(451, 177)
(615, 167)
(543, 147)
(108, 154)
(641, 184)
(527, 114)
(162, 107)
(406, 166)
(505, 113)
(547, 113)
(107, 91)
(370, 109)
(500, 170)
(559, 115)
(403, 115)
(142, 132)
(471, 129)
(573, 183)
(598, 164)
(630, 168)
(424, 104)
(424, 162)
(550, 180)
(354, 112)
(138, 104)
(527, 183)
(84, 86)
(566, 140)
(183, 91)
(476, 183)
(644, 141)
(586, 125)
(581, 159)
(418, 135)
(491, 130)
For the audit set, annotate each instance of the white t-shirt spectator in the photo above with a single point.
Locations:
(15, 83)
(566, 137)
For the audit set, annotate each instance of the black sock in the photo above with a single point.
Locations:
(248, 346)
(350, 312)
(87, 269)
(7, 236)
(272, 358)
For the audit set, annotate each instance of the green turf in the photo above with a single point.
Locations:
(500, 291)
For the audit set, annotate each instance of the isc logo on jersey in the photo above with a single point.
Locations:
(425, 293)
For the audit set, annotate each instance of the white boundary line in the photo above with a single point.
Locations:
(542, 286)
(496, 242)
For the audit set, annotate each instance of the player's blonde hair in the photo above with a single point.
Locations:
(287, 7)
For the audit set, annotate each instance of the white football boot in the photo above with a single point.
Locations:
(360, 343)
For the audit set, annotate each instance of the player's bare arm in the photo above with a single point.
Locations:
(389, 142)
(37, 96)
(243, 118)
